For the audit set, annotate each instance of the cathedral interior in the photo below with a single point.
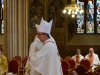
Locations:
(20, 16)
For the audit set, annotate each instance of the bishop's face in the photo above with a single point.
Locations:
(41, 36)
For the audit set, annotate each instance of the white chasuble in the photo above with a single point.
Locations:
(47, 60)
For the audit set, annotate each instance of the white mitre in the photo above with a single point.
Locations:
(44, 27)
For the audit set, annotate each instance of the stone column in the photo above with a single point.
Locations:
(16, 28)
(22, 27)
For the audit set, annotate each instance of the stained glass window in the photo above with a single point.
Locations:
(98, 16)
(90, 17)
(2, 20)
(80, 19)
(89, 21)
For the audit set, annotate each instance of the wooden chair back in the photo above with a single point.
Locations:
(14, 66)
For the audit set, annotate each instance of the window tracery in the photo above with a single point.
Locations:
(89, 22)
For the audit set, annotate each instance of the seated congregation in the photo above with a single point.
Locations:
(80, 65)
(75, 65)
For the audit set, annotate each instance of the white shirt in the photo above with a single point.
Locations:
(74, 57)
(95, 59)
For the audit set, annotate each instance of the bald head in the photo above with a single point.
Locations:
(91, 51)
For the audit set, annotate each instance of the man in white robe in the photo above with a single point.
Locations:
(78, 57)
(47, 60)
(93, 58)
(34, 47)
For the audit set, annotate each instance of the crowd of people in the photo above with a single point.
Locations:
(91, 56)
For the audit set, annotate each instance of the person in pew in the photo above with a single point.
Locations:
(46, 61)
(3, 63)
(77, 57)
(93, 58)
